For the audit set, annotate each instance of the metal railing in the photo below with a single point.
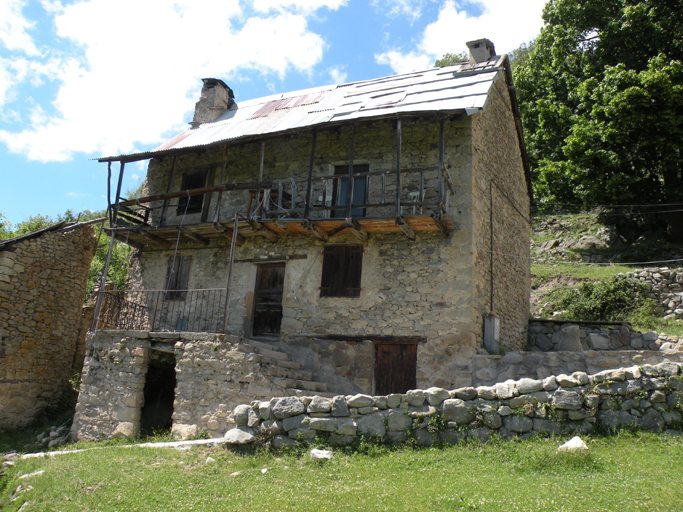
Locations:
(162, 310)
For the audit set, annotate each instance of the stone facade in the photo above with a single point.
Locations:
(434, 287)
(646, 397)
(42, 286)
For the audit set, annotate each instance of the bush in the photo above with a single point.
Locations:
(612, 300)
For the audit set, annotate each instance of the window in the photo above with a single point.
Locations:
(340, 190)
(190, 181)
(177, 277)
(342, 268)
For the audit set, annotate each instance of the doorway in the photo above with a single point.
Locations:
(395, 368)
(159, 393)
(270, 279)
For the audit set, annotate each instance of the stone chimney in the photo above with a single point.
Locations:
(216, 98)
(481, 50)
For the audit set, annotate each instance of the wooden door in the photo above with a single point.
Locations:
(270, 280)
(395, 368)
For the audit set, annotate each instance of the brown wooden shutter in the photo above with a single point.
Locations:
(353, 270)
(342, 270)
(328, 282)
(178, 278)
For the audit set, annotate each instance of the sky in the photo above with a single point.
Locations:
(91, 78)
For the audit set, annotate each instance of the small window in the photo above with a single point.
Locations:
(178, 277)
(192, 181)
(342, 268)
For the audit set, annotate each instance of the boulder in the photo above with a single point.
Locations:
(360, 401)
(320, 454)
(286, 407)
(567, 339)
(436, 396)
(241, 415)
(525, 386)
(563, 399)
(458, 411)
(371, 424)
(239, 436)
(338, 406)
(574, 445)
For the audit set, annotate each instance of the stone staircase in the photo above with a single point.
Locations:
(276, 364)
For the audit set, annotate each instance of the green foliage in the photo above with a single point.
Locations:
(451, 59)
(612, 300)
(600, 97)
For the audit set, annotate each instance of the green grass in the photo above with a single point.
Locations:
(580, 271)
(627, 472)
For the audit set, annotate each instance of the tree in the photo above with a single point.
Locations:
(451, 59)
(600, 97)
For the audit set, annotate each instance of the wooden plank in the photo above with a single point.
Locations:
(263, 231)
(405, 227)
(198, 191)
(154, 238)
(227, 233)
(191, 234)
(289, 229)
(315, 230)
(284, 257)
(440, 224)
(126, 240)
(373, 338)
(357, 229)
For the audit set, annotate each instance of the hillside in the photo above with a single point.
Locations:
(574, 251)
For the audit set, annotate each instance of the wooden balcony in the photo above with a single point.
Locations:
(362, 203)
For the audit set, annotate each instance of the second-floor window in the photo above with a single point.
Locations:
(342, 269)
(191, 181)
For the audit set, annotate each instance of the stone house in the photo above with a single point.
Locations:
(365, 231)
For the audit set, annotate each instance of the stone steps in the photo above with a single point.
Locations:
(286, 374)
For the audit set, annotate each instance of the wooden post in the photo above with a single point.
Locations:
(309, 190)
(220, 192)
(168, 190)
(108, 193)
(232, 261)
(100, 294)
(351, 180)
(398, 168)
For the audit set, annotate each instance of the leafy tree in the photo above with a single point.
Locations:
(600, 96)
(451, 59)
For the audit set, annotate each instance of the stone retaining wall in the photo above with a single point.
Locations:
(666, 286)
(646, 397)
(42, 286)
(538, 365)
(548, 336)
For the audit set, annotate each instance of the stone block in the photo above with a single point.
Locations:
(286, 407)
(567, 339)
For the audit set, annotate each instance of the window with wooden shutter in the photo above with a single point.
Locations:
(192, 181)
(342, 270)
(178, 277)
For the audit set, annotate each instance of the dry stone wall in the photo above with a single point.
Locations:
(42, 287)
(666, 287)
(548, 336)
(646, 397)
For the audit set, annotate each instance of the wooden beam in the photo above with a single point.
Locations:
(285, 257)
(398, 340)
(309, 181)
(286, 227)
(227, 233)
(354, 226)
(153, 238)
(126, 240)
(336, 230)
(315, 230)
(263, 231)
(440, 224)
(191, 234)
(405, 227)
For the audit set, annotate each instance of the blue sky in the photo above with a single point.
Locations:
(91, 78)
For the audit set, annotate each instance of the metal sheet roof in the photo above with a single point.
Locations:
(460, 88)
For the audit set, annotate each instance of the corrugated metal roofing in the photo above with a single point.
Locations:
(461, 88)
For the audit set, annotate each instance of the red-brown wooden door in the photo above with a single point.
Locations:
(395, 368)
(270, 280)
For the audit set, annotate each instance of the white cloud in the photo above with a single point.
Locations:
(14, 27)
(506, 23)
(136, 177)
(411, 9)
(139, 75)
(76, 195)
(337, 74)
(303, 6)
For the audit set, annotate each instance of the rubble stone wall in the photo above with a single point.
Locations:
(549, 336)
(501, 205)
(42, 287)
(666, 287)
(646, 397)
(539, 365)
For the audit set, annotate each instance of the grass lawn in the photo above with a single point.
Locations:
(626, 472)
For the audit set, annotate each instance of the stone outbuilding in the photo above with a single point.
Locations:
(43, 277)
(365, 231)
